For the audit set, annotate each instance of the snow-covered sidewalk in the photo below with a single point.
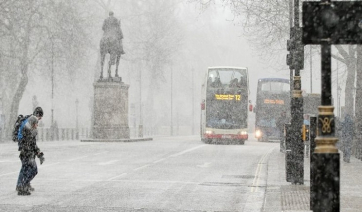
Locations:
(283, 196)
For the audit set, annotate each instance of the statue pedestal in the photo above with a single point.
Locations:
(110, 110)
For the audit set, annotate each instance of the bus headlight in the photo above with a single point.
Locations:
(258, 133)
(209, 132)
(243, 133)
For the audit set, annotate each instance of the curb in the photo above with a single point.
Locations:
(117, 140)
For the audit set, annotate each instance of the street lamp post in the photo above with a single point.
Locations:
(193, 103)
(1, 118)
(52, 76)
(339, 90)
(171, 125)
(140, 125)
(354, 100)
(76, 119)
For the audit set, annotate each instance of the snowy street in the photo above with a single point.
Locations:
(179, 173)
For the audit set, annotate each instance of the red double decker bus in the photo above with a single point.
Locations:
(224, 107)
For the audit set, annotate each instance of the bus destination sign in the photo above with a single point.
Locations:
(274, 101)
(227, 97)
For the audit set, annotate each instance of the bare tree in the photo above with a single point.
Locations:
(156, 39)
(29, 30)
(266, 24)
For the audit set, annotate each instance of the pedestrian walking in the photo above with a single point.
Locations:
(28, 150)
(347, 137)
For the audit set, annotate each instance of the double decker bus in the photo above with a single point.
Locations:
(224, 107)
(272, 99)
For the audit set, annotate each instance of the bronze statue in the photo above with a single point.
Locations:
(111, 43)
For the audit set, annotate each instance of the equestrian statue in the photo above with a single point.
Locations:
(111, 43)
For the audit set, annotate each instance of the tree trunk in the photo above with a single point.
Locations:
(348, 92)
(16, 100)
(358, 118)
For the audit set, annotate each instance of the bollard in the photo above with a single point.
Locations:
(312, 136)
(63, 134)
(67, 134)
(47, 134)
(57, 134)
(140, 131)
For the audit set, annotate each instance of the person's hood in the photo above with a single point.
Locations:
(31, 121)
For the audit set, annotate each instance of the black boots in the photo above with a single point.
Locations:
(23, 191)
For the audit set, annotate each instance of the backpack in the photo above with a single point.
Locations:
(18, 127)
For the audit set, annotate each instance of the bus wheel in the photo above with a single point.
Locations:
(242, 142)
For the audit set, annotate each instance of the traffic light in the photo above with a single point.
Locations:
(290, 48)
(298, 59)
(305, 132)
(290, 44)
(290, 60)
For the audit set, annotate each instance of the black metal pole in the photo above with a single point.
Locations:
(326, 166)
(312, 135)
(288, 153)
(297, 146)
(288, 129)
(291, 29)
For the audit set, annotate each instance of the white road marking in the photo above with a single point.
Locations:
(157, 181)
(254, 187)
(78, 158)
(180, 153)
(117, 176)
(188, 150)
(100, 153)
(86, 156)
(157, 161)
(205, 165)
(10, 173)
(120, 180)
(142, 167)
(38, 165)
(108, 163)
(9, 161)
(43, 166)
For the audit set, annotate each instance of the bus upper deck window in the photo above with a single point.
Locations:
(209, 80)
(242, 81)
(216, 82)
(234, 82)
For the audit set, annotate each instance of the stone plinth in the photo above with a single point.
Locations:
(110, 110)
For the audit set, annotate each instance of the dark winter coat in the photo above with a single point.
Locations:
(27, 145)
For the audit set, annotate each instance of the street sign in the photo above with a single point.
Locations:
(332, 22)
